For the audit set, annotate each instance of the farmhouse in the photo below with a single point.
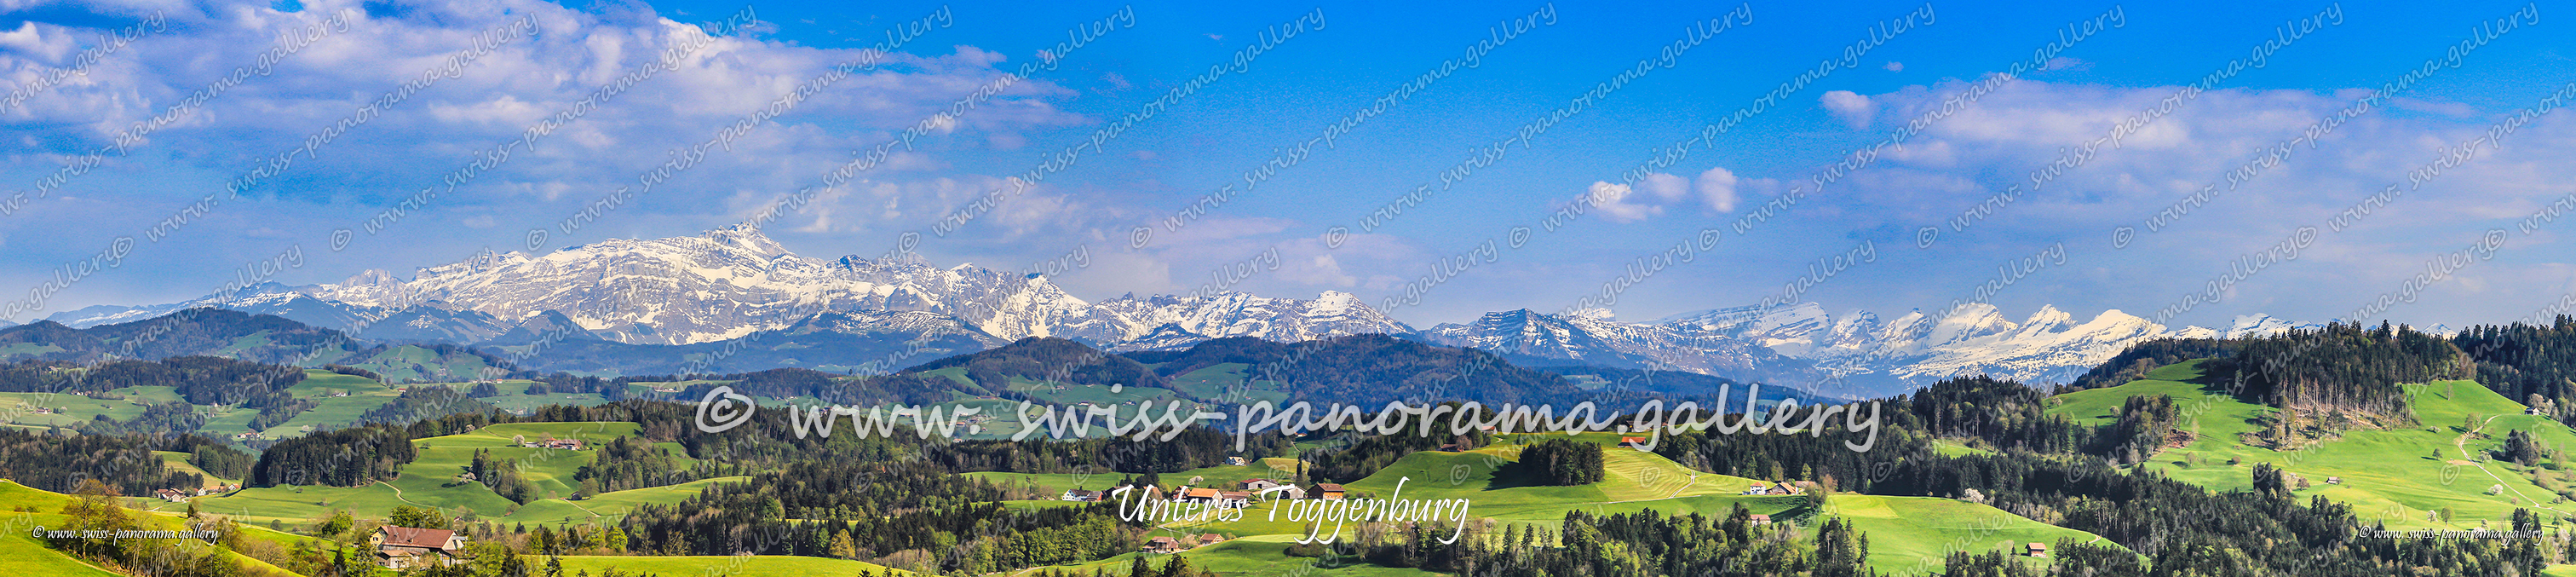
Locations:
(1258, 484)
(1288, 491)
(1759, 519)
(1632, 442)
(1162, 545)
(2038, 550)
(171, 495)
(1210, 539)
(1328, 491)
(409, 547)
(1081, 496)
(551, 443)
(1200, 495)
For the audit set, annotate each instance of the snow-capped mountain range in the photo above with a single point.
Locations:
(732, 282)
(1802, 344)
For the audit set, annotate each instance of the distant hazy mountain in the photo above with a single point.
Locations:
(1593, 338)
(1801, 344)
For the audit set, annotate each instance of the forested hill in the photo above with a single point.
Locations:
(2521, 360)
(2337, 366)
(1048, 359)
(261, 338)
(243, 336)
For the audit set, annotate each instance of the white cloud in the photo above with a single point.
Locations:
(1716, 189)
(44, 45)
(572, 54)
(1665, 187)
(1852, 108)
(1894, 66)
(1614, 202)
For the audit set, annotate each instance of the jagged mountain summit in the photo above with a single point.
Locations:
(731, 282)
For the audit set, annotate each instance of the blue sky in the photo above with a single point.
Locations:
(1350, 55)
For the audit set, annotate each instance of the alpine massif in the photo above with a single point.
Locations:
(617, 302)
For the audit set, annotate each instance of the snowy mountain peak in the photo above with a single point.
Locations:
(733, 281)
(747, 237)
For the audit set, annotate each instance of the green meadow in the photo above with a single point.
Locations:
(431, 481)
(731, 566)
(21, 551)
(2398, 474)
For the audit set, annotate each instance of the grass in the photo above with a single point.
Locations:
(411, 363)
(607, 507)
(28, 349)
(22, 554)
(177, 461)
(1909, 535)
(429, 481)
(1228, 381)
(2396, 474)
(728, 565)
(1252, 556)
(70, 410)
(1904, 531)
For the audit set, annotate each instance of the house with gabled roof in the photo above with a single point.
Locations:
(410, 547)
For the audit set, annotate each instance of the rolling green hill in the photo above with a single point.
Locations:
(733, 566)
(1910, 535)
(22, 554)
(2398, 473)
(431, 481)
(1905, 532)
